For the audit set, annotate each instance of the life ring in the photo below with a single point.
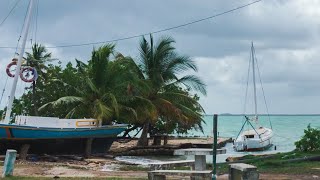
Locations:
(27, 70)
(13, 63)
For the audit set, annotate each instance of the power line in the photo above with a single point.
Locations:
(14, 6)
(154, 32)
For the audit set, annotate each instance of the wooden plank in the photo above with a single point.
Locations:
(24, 151)
(173, 162)
(180, 172)
(169, 164)
(198, 151)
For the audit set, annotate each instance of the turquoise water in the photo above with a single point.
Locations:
(287, 130)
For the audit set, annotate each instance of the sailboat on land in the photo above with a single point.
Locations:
(50, 134)
(257, 137)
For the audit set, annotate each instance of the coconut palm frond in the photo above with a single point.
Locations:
(192, 82)
(91, 85)
(145, 103)
(68, 100)
(163, 49)
(109, 97)
(99, 61)
(178, 97)
(145, 53)
(71, 112)
(45, 106)
(180, 63)
(101, 111)
(77, 89)
(129, 110)
(81, 66)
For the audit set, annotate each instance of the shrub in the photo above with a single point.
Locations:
(310, 141)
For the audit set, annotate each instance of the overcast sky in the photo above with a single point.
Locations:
(285, 35)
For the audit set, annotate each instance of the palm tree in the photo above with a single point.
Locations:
(38, 59)
(103, 82)
(160, 67)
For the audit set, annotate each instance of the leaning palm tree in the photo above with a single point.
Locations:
(38, 59)
(160, 67)
(97, 96)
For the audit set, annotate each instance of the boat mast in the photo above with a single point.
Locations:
(254, 84)
(16, 76)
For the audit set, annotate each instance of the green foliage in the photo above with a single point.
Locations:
(38, 59)
(50, 89)
(97, 90)
(278, 163)
(310, 141)
(166, 90)
(152, 92)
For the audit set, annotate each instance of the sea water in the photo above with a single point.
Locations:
(287, 130)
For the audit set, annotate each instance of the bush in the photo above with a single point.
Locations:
(310, 141)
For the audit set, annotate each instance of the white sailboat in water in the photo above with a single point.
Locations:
(256, 137)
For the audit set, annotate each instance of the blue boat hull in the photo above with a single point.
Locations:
(58, 141)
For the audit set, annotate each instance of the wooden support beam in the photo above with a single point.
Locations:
(24, 151)
(88, 148)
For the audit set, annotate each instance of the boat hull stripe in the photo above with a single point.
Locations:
(8, 132)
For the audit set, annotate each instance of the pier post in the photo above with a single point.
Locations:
(88, 148)
(9, 163)
(214, 146)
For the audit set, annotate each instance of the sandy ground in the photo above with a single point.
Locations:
(93, 167)
(55, 169)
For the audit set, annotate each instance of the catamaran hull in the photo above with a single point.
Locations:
(255, 143)
(57, 140)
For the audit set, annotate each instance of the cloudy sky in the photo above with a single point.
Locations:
(285, 35)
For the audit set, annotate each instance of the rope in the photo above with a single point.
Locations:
(4, 89)
(15, 52)
(154, 32)
(36, 21)
(264, 97)
(34, 25)
(246, 94)
(14, 6)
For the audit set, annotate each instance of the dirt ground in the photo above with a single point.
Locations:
(109, 167)
(70, 170)
(121, 146)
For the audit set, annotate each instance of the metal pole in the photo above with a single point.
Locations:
(254, 84)
(16, 76)
(214, 156)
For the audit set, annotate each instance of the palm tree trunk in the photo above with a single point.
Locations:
(35, 107)
(143, 140)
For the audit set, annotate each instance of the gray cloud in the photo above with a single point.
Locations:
(285, 34)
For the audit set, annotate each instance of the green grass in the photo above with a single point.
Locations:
(277, 164)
